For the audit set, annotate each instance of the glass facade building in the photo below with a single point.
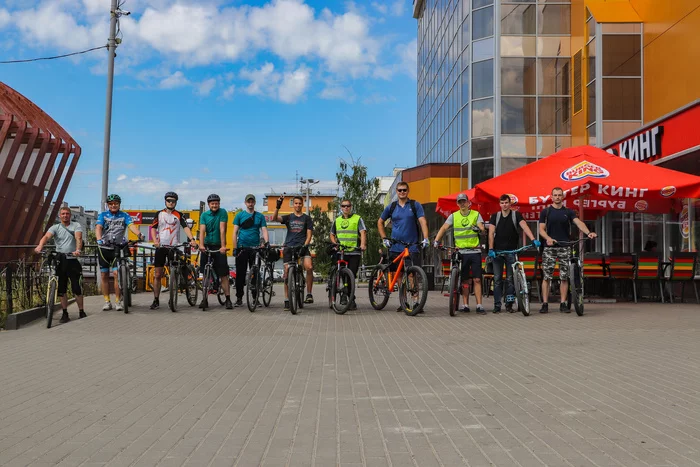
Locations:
(493, 83)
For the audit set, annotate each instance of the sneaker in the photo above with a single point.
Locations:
(480, 310)
(353, 305)
(155, 304)
(107, 306)
(563, 308)
(286, 305)
(400, 308)
(229, 305)
(545, 308)
(343, 300)
(497, 308)
(64, 318)
(120, 307)
(82, 315)
(239, 301)
(509, 308)
(309, 298)
(204, 304)
(465, 309)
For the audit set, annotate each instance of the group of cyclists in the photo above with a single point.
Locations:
(409, 229)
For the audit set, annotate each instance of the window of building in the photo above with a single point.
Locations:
(482, 118)
(482, 79)
(518, 115)
(554, 115)
(483, 23)
(518, 146)
(622, 99)
(482, 148)
(554, 76)
(554, 19)
(622, 55)
(482, 170)
(516, 46)
(518, 19)
(483, 49)
(518, 76)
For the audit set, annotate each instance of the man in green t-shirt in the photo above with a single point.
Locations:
(212, 236)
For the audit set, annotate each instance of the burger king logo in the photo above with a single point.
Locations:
(583, 170)
(513, 198)
(641, 205)
(668, 191)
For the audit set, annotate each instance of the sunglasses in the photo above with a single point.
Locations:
(345, 205)
(171, 201)
(401, 190)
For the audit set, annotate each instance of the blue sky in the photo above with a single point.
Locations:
(220, 96)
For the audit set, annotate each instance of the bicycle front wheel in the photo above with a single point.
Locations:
(50, 302)
(343, 290)
(301, 282)
(413, 291)
(329, 287)
(268, 281)
(455, 290)
(124, 286)
(207, 286)
(220, 294)
(521, 292)
(251, 288)
(191, 289)
(173, 287)
(378, 288)
(576, 286)
(292, 295)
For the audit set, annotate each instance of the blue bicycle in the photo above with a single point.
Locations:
(522, 294)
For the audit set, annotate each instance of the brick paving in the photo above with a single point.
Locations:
(617, 387)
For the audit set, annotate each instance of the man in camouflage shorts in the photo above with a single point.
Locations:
(555, 226)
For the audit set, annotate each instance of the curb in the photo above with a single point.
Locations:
(15, 320)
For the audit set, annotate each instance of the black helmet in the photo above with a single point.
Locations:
(213, 197)
(116, 198)
(171, 194)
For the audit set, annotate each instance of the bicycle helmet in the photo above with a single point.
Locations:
(116, 198)
(171, 194)
(213, 197)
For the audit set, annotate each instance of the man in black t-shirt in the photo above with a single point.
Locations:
(555, 226)
(299, 231)
(504, 235)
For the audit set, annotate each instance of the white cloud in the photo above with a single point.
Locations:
(380, 7)
(397, 8)
(263, 80)
(4, 17)
(294, 85)
(205, 87)
(335, 92)
(228, 92)
(377, 98)
(121, 177)
(175, 80)
(51, 24)
(408, 54)
(266, 82)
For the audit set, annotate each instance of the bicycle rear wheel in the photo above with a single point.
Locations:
(190, 281)
(268, 282)
(50, 302)
(378, 288)
(521, 292)
(455, 290)
(292, 295)
(124, 286)
(173, 287)
(251, 288)
(207, 286)
(576, 286)
(413, 290)
(343, 290)
(220, 294)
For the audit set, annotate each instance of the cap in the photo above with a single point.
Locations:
(250, 196)
(462, 197)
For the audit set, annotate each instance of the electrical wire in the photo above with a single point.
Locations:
(4, 62)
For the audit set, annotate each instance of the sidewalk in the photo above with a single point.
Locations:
(619, 386)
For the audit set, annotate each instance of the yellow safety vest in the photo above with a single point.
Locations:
(347, 230)
(464, 236)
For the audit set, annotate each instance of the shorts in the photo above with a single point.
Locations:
(550, 255)
(220, 264)
(415, 260)
(107, 258)
(287, 254)
(70, 269)
(471, 266)
(161, 256)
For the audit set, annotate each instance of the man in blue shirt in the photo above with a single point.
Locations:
(247, 226)
(407, 217)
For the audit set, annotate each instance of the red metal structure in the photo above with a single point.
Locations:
(37, 161)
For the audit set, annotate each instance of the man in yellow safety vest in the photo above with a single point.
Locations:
(349, 230)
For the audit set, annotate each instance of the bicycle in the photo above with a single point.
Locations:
(413, 281)
(575, 295)
(295, 279)
(258, 280)
(52, 261)
(455, 287)
(341, 281)
(182, 276)
(123, 273)
(522, 293)
(210, 281)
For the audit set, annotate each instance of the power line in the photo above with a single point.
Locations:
(3, 62)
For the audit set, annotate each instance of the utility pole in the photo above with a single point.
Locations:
(111, 53)
(308, 181)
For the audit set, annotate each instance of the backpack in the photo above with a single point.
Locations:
(413, 208)
(546, 225)
(498, 220)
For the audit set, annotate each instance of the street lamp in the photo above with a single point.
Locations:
(309, 182)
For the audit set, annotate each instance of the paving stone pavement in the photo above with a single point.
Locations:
(616, 387)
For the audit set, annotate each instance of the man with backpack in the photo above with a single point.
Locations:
(504, 232)
(407, 223)
(555, 226)
(247, 227)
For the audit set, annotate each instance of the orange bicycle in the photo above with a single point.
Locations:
(411, 279)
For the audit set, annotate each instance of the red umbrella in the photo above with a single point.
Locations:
(602, 181)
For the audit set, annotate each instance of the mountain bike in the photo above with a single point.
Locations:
(295, 279)
(52, 261)
(411, 279)
(256, 283)
(341, 281)
(211, 283)
(522, 293)
(575, 295)
(455, 281)
(268, 275)
(122, 254)
(182, 276)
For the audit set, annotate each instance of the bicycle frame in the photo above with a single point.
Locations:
(396, 276)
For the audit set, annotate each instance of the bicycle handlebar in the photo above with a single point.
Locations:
(406, 244)
(340, 246)
(572, 242)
